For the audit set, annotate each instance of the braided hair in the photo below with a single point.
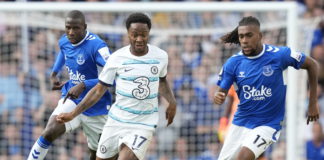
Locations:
(232, 37)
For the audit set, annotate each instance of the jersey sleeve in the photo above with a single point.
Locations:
(108, 73)
(59, 62)
(226, 76)
(90, 83)
(164, 70)
(292, 58)
(102, 54)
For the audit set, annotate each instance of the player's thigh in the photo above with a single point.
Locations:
(66, 107)
(233, 142)
(137, 140)
(108, 143)
(92, 128)
(260, 138)
(126, 153)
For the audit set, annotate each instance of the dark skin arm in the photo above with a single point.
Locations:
(92, 97)
(56, 84)
(166, 92)
(312, 69)
(75, 91)
(228, 109)
(220, 95)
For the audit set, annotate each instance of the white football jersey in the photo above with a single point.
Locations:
(137, 86)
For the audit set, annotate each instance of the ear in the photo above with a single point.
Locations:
(261, 35)
(85, 26)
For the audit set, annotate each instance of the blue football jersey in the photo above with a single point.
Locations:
(81, 61)
(260, 85)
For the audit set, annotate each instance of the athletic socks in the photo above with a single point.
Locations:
(39, 150)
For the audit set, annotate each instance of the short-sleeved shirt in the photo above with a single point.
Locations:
(137, 84)
(260, 85)
(82, 61)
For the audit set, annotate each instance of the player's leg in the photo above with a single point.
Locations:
(92, 154)
(258, 140)
(126, 153)
(92, 128)
(108, 143)
(134, 143)
(112, 158)
(232, 142)
(245, 154)
(53, 130)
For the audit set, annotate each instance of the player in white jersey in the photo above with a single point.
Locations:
(257, 74)
(81, 52)
(140, 73)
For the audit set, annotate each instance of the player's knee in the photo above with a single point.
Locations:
(53, 130)
(245, 154)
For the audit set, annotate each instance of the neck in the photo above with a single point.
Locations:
(259, 49)
(132, 50)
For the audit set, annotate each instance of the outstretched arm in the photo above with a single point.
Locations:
(76, 91)
(312, 69)
(89, 100)
(166, 92)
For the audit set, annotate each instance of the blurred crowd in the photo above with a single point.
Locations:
(26, 100)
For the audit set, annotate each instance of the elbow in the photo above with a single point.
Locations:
(311, 65)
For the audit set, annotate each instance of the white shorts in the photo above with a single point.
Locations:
(113, 137)
(257, 140)
(91, 126)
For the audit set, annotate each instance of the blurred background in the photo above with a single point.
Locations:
(28, 47)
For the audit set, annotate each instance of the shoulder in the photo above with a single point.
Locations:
(160, 53)
(236, 58)
(122, 51)
(63, 40)
(276, 49)
(94, 39)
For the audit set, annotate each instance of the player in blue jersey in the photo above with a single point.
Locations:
(81, 52)
(140, 71)
(257, 74)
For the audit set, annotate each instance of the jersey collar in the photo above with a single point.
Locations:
(85, 37)
(257, 56)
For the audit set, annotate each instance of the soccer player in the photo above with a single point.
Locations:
(257, 71)
(81, 52)
(140, 71)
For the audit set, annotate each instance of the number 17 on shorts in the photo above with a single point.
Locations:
(260, 139)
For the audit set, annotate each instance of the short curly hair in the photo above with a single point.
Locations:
(138, 18)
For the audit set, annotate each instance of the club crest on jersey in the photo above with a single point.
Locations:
(80, 59)
(154, 69)
(103, 149)
(267, 70)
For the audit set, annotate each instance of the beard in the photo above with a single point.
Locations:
(251, 54)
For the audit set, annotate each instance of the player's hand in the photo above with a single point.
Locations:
(219, 97)
(64, 117)
(313, 113)
(56, 84)
(170, 113)
(75, 92)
